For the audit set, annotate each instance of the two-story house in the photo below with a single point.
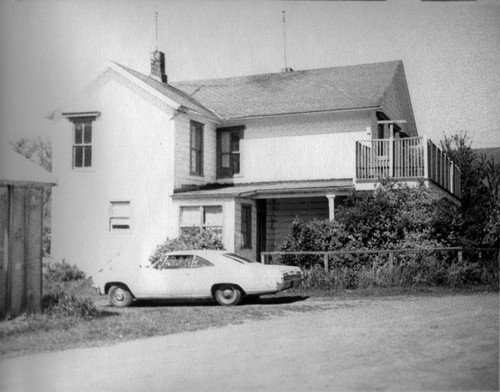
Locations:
(141, 159)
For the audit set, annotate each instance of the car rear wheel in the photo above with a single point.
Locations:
(228, 295)
(119, 296)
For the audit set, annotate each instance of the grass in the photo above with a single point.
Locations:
(48, 332)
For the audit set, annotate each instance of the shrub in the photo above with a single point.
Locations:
(62, 272)
(58, 303)
(191, 239)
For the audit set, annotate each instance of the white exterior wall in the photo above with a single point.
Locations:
(183, 150)
(317, 146)
(132, 153)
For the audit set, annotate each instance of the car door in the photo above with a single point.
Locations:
(167, 279)
(201, 277)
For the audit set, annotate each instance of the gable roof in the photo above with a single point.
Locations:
(172, 93)
(328, 89)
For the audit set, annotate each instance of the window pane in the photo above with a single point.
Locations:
(212, 216)
(88, 156)
(235, 141)
(120, 223)
(226, 160)
(190, 216)
(225, 142)
(235, 163)
(87, 138)
(176, 262)
(120, 208)
(199, 262)
(78, 156)
(78, 133)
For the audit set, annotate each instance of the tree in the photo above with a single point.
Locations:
(39, 151)
(480, 181)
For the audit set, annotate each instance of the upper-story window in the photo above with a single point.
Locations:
(228, 151)
(82, 142)
(196, 160)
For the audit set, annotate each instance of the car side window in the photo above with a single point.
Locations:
(176, 262)
(200, 262)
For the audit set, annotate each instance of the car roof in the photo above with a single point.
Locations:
(198, 252)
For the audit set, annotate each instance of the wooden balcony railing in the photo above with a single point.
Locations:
(406, 159)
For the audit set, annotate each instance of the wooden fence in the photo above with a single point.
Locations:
(20, 249)
(391, 253)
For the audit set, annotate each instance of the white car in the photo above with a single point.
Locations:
(195, 274)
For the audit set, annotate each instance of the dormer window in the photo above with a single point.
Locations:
(82, 142)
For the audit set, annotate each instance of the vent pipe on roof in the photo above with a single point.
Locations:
(158, 66)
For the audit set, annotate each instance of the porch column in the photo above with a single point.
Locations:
(331, 206)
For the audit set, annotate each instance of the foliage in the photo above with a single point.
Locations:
(39, 151)
(393, 217)
(480, 181)
(58, 303)
(61, 272)
(191, 239)
(409, 270)
(60, 280)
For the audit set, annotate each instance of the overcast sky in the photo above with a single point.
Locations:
(450, 50)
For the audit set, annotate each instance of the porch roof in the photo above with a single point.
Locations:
(269, 190)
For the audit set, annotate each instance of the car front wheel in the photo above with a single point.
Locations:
(119, 296)
(228, 295)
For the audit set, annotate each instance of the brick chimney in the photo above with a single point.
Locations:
(158, 66)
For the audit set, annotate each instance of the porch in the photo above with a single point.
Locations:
(406, 159)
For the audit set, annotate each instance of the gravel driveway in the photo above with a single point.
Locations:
(396, 343)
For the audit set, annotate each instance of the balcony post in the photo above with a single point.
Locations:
(331, 207)
(391, 150)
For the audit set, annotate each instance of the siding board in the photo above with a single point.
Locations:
(33, 240)
(4, 243)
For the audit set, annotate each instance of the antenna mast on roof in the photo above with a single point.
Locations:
(286, 69)
(156, 28)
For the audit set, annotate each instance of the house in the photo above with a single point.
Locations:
(141, 159)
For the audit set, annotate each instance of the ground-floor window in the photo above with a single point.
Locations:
(206, 217)
(119, 216)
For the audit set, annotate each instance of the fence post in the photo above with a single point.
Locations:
(263, 258)
(391, 260)
(325, 261)
(460, 257)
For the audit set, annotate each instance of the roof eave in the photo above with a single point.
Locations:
(259, 116)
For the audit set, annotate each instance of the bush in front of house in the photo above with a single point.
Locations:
(64, 289)
(190, 239)
(393, 217)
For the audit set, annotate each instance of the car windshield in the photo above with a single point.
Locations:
(237, 258)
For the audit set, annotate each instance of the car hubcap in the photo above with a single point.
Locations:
(227, 294)
(118, 296)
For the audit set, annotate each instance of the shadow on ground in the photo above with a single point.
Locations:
(248, 301)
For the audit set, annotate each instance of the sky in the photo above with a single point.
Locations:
(49, 49)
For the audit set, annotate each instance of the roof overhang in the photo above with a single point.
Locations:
(271, 190)
(260, 116)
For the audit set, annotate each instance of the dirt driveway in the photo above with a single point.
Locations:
(397, 343)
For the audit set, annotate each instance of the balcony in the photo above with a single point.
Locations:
(407, 159)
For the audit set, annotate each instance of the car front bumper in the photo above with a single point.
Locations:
(289, 283)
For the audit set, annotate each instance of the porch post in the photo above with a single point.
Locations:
(331, 207)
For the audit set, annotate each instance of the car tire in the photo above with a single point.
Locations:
(228, 295)
(119, 296)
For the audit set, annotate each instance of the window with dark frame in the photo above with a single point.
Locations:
(196, 151)
(246, 226)
(82, 142)
(228, 151)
